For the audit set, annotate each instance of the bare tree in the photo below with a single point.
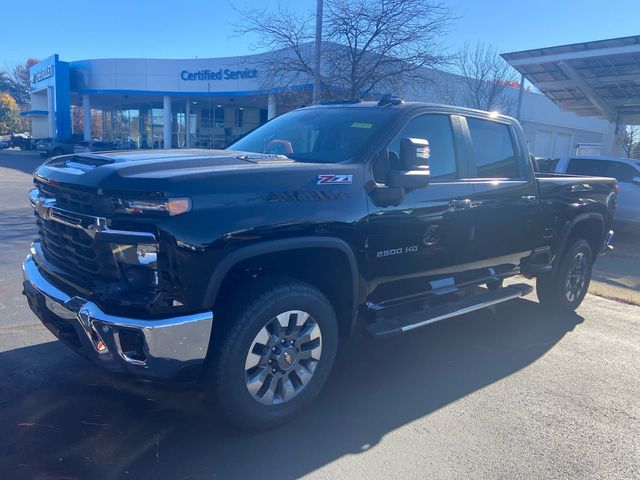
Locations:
(287, 37)
(487, 81)
(382, 44)
(630, 138)
(369, 46)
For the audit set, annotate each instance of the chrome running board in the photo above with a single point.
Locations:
(470, 304)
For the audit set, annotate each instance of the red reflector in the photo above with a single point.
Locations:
(100, 346)
(616, 189)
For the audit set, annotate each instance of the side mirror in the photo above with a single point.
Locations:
(635, 180)
(414, 165)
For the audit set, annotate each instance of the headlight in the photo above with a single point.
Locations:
(170, 206)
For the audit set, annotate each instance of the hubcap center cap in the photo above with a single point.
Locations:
(287, 358)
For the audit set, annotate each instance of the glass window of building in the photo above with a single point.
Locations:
(239, 117)
(219, 116)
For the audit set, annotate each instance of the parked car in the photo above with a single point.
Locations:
(247, 268)
(104, 146)
(52, 147)
(23, 142)
(625, 170)
(94, 146)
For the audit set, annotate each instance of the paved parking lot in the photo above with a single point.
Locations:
(504, 393)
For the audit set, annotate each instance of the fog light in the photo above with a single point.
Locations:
(140, 278)
(132, 344)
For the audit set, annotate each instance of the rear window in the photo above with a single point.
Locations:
(622, 172)
(493, 149)
(587, 167)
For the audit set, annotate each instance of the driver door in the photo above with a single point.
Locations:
(425, 243)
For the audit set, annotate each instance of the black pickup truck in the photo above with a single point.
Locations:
(248, 266)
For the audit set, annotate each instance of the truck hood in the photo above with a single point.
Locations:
(182, 171)
(151, 169)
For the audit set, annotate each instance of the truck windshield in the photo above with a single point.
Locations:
(325, 135)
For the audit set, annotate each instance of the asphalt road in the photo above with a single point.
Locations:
(503, 393)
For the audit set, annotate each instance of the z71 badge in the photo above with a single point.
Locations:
(335, 179)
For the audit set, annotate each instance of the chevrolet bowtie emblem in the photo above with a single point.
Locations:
(287, 358)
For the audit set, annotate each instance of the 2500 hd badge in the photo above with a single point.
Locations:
(397, 251)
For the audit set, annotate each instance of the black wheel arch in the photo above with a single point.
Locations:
(290, 246)
(589, 226)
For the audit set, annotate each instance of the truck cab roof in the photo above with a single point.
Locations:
(407, 106)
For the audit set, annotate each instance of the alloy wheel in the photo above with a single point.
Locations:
(283, 357)
(576, 277)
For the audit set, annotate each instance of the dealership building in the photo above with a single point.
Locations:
(158, 103)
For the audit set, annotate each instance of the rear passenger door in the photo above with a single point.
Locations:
(505, 199)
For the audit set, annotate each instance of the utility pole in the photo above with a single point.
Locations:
(519, 109)
(316, 54)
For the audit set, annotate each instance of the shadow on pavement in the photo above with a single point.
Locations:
(78, 422)
(17, 227)
(25, 162)
(617, 274)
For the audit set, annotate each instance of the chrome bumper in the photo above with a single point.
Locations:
(607, 243)
(166, 345)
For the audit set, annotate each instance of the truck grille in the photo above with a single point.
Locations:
(74, 251)
(69, 199)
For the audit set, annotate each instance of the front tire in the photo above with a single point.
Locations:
(565, 288)
(276, 354)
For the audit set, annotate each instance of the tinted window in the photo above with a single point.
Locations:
(588, 167)
(546, 165)
(436, 129)
(493, 149)
(622, 172)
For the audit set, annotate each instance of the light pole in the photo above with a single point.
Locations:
(519, 107)
(316, 54)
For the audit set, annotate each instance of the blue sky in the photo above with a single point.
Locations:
(78, 29)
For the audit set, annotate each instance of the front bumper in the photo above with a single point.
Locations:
(155, 349)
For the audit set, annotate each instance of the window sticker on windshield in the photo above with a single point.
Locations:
(361, 125)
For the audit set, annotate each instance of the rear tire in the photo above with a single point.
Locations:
(276, 354)
(565, 288)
